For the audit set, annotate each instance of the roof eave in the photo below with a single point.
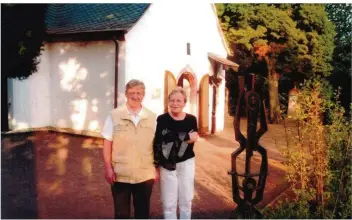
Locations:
(87, 36)
(135, 23)
(224, 61)
(84, 31)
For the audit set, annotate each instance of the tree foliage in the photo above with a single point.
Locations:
(292, 39)
(293, 34)
(341, 16)
(22, 35)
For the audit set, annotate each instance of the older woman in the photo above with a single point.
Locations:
(175, 135)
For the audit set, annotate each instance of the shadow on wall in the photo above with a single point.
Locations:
(85, 73)
(81, 87)
(20, 107)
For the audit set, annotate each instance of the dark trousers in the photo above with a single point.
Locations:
(141, 192)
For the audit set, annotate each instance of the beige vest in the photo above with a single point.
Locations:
(132, 148)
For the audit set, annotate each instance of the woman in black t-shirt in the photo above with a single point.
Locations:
(175, 135)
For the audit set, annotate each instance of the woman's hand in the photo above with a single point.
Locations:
(157, 174)
(193, 137)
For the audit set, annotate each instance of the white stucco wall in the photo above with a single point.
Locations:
(82, 83)
(30, 98)
(158, 43)
(73, 88)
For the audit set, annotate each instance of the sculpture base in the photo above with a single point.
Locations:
(245, 212)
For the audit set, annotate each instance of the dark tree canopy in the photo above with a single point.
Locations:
(341, 16)
(22, 35)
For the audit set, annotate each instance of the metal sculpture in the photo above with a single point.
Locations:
(255, 108)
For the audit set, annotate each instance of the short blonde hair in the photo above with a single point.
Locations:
(134, 83)
(180, 90)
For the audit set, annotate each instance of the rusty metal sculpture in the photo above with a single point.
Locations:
(255, 108)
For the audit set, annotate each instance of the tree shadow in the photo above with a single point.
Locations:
(56, 175)
(70, 179)
(18, 178)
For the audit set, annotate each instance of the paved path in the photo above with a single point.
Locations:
(56, 175)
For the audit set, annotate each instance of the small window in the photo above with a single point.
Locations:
(188, 49)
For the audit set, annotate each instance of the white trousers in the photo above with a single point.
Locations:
(178, 184)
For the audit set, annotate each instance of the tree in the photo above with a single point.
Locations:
(22, 34)
(292, 39)
(341, 16)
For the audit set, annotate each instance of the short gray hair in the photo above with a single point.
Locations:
(180, 90)
(134, 83)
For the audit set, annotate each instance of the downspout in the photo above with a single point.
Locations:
(116, 71)
(213, 112)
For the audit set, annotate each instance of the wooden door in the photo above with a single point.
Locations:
(204, 105)
(169, 85)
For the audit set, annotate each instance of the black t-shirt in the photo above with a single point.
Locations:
(170, 145)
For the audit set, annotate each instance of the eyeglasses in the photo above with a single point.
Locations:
(175, 101)
(135, 93)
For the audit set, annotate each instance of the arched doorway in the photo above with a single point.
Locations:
(204, 105)
(187, 82)
(169, 85)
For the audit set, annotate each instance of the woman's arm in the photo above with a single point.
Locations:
(157, 148)
(193, 134)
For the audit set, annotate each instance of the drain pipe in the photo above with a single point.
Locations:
(116, 71)
(213, 111)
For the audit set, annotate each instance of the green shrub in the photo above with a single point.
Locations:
(318, 159)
